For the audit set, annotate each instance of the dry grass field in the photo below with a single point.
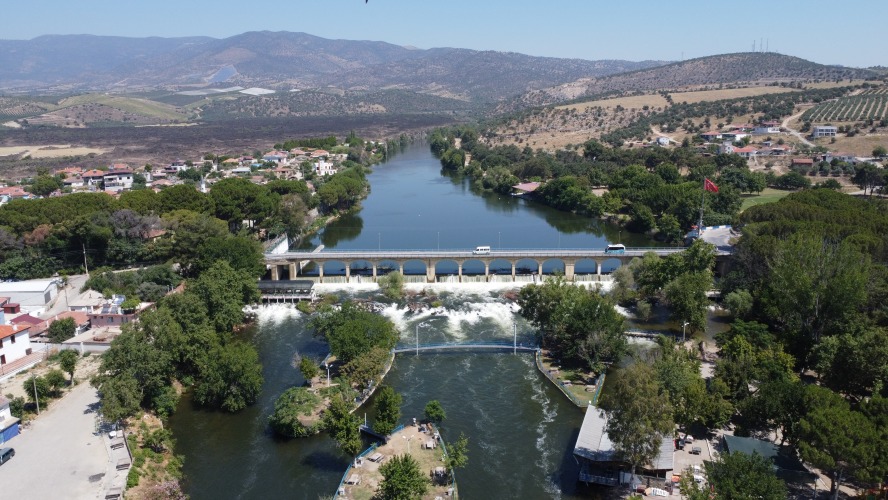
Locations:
(50, 151)
(717, 95)
(859, 145)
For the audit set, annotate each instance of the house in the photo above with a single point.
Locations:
(241, 170)
(662, 141)
(93, 177)
(712, 135)
(764, 130)
(73, 182)
(600, 463)
(15, 193)
(118, 179)
(81, 323)
(319, 153)
(780, 150)
(9, 425)
(824, 131)
(175, 167)
(15, 343)
(786, 463)
(25, 320)
(746, 152)
(324, 168)
(69, 171)
(802, 162)
(734, 136)
(112, 314)
(31, 294)
(276, 157)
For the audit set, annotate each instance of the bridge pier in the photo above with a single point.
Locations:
(347, 272)
(598, 268)
(430, 273)
(292, 270)
(320, 272)
(513, 270)
(569, 270)
(486, 271)
(459, 271)
(274, 273)
(373, 263)
(540, 270)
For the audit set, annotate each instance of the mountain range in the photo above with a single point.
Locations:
(282, 61)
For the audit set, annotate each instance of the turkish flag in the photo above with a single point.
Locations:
(710, 186)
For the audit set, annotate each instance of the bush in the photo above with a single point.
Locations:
(392, 285)
(290, 405)
(132, 479)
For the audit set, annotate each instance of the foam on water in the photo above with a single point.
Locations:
(623, 311)
(275, 313)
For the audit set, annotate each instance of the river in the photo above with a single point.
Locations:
(521, 429)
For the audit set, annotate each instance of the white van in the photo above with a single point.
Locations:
(481, 250)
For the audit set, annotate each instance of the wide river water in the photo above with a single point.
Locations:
(521, 429)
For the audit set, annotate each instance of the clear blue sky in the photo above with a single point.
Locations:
(849, 32)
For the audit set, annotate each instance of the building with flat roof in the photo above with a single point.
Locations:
(824, 131)
(31, 294)
(601, 464)
(9, 425)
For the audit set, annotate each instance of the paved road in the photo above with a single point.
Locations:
(59, 456)
(720, 237)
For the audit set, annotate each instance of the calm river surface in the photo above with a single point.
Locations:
(521, 429)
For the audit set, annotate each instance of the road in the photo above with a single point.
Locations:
(60, 456)
(796, 133)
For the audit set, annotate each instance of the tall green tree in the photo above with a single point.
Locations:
(232, 378)
(639, 414)
(402, 479)
(68, 362)
(224, 291)
(388, 410)
(434, 412)
(579, 325)
(343, 426)
(62, 330)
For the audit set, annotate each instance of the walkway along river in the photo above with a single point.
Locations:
(521, 429)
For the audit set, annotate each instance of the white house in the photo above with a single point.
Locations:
(764, 130)
(824, 131)
(118, 179)
(324, 168)
(15, 343)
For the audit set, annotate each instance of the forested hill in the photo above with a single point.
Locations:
(712, 70)
(284, 61)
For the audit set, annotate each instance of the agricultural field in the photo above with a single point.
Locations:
(871, 104)
(717, 95)
(628, 102)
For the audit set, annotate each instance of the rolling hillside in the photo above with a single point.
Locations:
(723, 69)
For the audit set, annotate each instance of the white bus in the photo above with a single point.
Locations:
(615, 248)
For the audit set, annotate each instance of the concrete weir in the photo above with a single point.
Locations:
(290, 265)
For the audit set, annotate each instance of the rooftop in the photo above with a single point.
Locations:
(594, 444)
(10, 330)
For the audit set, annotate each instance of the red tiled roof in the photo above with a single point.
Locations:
(25, 319)
(10, 330)
(93, 173)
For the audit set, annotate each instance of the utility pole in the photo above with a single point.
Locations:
(85, 267)
(36, 400)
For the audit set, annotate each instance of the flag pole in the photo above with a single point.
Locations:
(702, 203)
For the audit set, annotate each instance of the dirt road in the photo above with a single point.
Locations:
(796, 133)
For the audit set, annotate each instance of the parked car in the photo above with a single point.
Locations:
(6, 454)
(696, 450)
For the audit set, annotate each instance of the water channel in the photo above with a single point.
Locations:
(521, 429)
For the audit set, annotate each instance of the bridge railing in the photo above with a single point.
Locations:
(504, 344)
(468, 252)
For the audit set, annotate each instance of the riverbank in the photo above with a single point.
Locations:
(423, 443)
(581, 387)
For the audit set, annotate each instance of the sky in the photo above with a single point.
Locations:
(850, 32)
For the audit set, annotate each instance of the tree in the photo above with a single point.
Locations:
(578, 325)
(367, 367)
(45, 184)
(402, 479)
(56, 380)
(343, 426)
(309, 368)
(737, 476)
(687, 298)
(352, 331)
(225, 290)
(68, 362)
(231, 379)
(458, 453)
(289, 406)
(841, 442)
(120, 397)
(62, 330)
(388, 411)
(434, 412)
(738, 302)
(639, 414)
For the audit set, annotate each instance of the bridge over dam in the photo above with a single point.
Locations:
(339, 266)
